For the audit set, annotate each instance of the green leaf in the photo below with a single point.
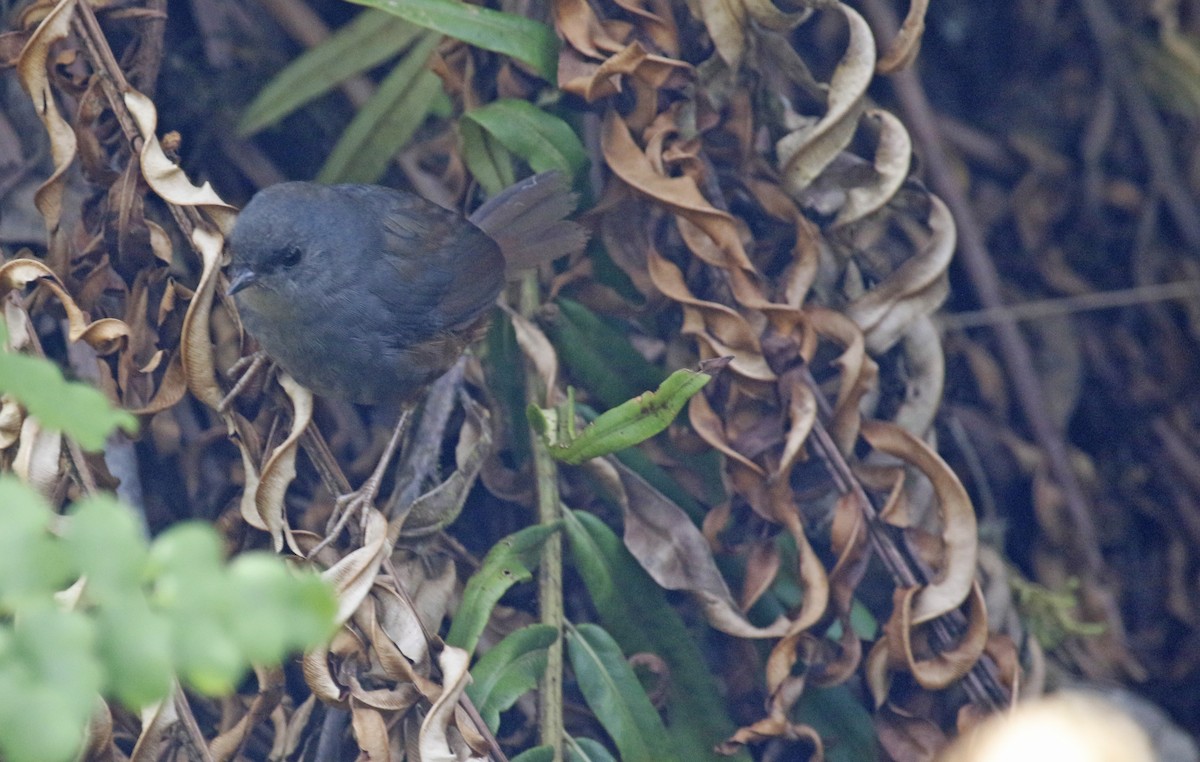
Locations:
(387, 121)
(543, 140)
(510, 670)
(106, 542)
(524, 39)
(367, 41)
(135, 648)
(48, 683)
(510, 561)
(625, 425)
(587, 750)
(490, 163)
(599, 357)
(78, 410)
(33, 564)
(615, 695)
(836, 713)
(536, 754)
(636, 612)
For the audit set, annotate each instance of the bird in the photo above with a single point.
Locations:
(367, 294)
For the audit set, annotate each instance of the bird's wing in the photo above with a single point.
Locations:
(450, 271)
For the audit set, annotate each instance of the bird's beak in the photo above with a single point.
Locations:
(240, 279)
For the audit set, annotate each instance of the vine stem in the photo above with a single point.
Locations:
(550, 575)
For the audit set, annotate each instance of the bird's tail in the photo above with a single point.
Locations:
(527, 220)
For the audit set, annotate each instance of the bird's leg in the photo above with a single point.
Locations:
(249, 367)
(364, 497)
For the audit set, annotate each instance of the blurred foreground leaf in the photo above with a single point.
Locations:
(80, 411)
(140, 616)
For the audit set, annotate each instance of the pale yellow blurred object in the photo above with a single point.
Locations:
(1067, 727)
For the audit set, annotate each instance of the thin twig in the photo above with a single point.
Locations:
(1067, 305)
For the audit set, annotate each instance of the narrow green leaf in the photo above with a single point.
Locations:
(599, 357)
(625, 425)
(368, 40)
(616, 696)
(587, 750)
(510, 561)
(636, 612)
(490, 162)
(543, 140)
(510, 670)
(387, 121)
(523, 39)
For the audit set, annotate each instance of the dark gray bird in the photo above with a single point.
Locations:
(367, 293)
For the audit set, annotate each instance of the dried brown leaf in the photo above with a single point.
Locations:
(675, 554)
(804, 153)
(905, 46)
(916, 288)
(955, 570)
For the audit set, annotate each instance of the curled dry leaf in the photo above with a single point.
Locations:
(913, 290)
(806, 152)
(434, 743)
(354, 575)
(262, 503)
(37, 462)
(31, 68)
(945, 667)
(104, 335)
(903, 49)
(730, 22)
(893, 156)
(440, 505)
(955, 569)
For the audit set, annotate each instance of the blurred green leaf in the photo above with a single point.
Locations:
(625, 425)
(587, 750)
(33, 564)
(836, 713)
(135, 649)
(106, 543)
(536, 754)
(387, 122)
(524, 39)
(506, 380)
(368, 40)
(509, 670)
(615, 695)
(76, 409)
(541, 139)
(635, 610)
(48, 683)
(510, 561)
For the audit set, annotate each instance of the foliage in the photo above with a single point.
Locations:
(776, 554)
(139, 615)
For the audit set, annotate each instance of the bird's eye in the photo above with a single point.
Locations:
(290, 256)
